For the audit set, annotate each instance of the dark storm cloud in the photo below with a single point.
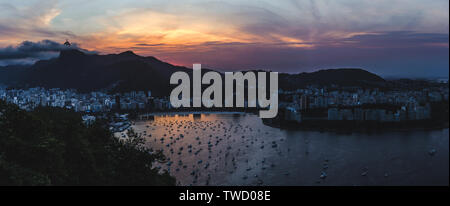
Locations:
(27, 50)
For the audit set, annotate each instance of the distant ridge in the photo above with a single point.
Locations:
(13, 74)
(128, 71)
(341, 77)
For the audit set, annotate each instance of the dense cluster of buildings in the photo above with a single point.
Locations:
(360, 104)
(93, 102)
(355, 104)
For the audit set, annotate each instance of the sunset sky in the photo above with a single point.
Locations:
(389, 37)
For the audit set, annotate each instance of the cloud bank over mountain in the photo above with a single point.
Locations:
(29, 52)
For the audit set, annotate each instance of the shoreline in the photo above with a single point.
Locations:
(354, 127)
(188, 113)
(324, 125)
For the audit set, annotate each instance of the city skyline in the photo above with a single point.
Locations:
(389, 38)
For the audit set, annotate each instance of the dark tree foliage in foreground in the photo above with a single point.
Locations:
(51, 146)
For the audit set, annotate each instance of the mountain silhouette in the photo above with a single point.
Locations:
(127, 71)
(339, 77)
(121, 72)
(13, 74)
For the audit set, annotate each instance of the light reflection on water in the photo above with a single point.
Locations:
(237, 149)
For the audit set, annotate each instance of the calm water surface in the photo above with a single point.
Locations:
(238, 149)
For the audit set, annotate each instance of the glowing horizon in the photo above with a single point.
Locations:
(289, 36)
